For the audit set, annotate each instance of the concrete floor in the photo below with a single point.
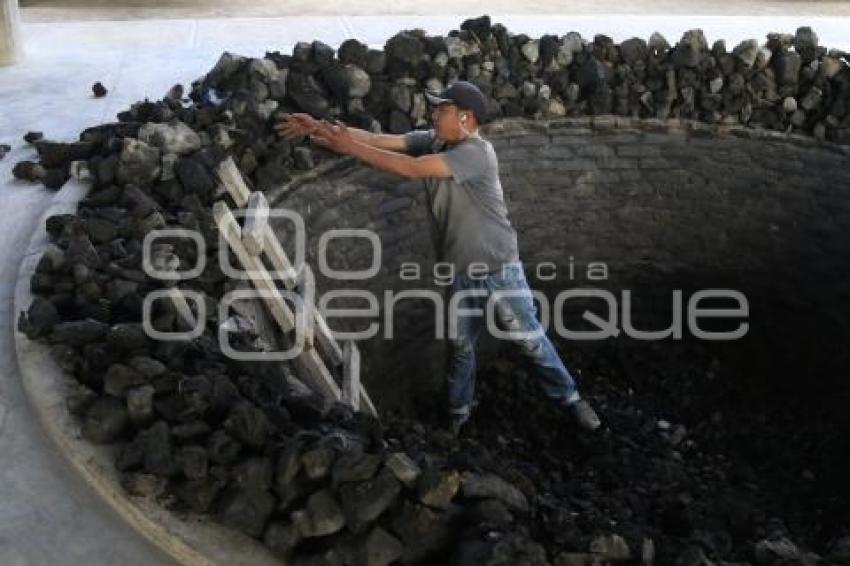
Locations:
(61, 10)
(47, 514)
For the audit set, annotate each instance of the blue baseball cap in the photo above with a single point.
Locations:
(465, 95)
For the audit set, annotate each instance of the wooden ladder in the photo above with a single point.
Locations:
(255, 241)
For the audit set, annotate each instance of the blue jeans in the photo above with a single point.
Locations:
(514, 312)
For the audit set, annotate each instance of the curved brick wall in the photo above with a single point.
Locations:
(665, 205)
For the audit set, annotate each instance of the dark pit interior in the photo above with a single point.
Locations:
(664, 208)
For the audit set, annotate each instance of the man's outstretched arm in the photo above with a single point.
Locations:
(389, 142)
(433, 165)
(339, 138)
(299, 124)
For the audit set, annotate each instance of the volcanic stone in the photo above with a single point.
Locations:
(195, 178)
(404, 468)
(322, 53)
(148, 367)
(354, 467)
(811, 99)
(190, 431)
(143, 485)
(353, 52)
(139, 163)
(376, 61)
(58, 154)
(777, 550)
(516, 548)
(403, 52)
(192, 461)
(248, 424)
(321, 516)
(489, 512)
(424, 531)
(246, 510)
(363, 502)
(199, 495)
(222, 449)
(254, 473)
(79, 402)
(140, 404)
(633, 50)
(127, 336)
(747, 51)
(77, 333)
(100, 231)
(174, 137)
(32, 137)
(28, 171)
(308, 94)
(281, 538)
(303, 158)
(531, 50)
(611, 547)
(106, 421)
(381, 548)
(690, 49)
(317, 462)
(39, 319)
(159, 454)
(476, 486)
(436, 489)
(806, 43)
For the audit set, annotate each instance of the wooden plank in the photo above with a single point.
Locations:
(310, 368)
(306, 283)
(351, 375)
(258, 314)
(277, 257)
(259, 276)
(366, 404)
(230, 176)
(256, 224)
(184, 311)
(325, 340)
(308, 364)
(353, 391)
(185, 317)
(233, 182)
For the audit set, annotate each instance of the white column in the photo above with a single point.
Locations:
(10, 32)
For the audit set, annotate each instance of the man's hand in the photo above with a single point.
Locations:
(292, 126)
(333, 137)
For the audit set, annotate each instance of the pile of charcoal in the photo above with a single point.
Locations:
(789, 83)
(681, 475)
(315, 482)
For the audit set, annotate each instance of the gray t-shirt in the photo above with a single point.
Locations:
(469, 218)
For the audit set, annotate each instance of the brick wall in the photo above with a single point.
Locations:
(665, 205)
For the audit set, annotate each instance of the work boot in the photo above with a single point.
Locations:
(584, 415)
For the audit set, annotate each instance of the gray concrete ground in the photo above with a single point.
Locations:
(61, 10)
(48, 515)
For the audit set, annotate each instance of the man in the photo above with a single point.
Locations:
(472, 231)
